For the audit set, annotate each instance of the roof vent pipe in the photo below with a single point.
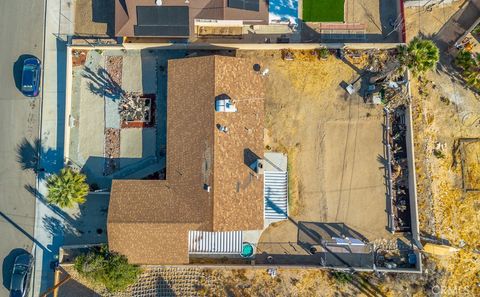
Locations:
(207, 188)
(222, 128)
(257, 166)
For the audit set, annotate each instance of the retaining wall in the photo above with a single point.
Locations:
(416, 3)
(412, 178)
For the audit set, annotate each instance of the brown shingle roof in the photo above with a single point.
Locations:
(126, 13)
(198, 154)
(151, 243)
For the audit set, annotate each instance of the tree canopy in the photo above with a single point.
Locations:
(67, 188)
(470, 66)
(420, 55)
(107, 268)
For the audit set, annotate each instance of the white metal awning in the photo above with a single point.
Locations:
(202, 242)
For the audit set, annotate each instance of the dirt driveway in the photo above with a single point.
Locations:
(334, 146)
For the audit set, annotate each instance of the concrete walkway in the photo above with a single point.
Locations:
(49, 222)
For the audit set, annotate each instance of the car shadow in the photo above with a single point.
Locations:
(17, 70)
(7, 266)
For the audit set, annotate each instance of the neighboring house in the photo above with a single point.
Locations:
(212, 182)
(182, 19)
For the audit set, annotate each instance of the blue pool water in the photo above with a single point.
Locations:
(283, 11)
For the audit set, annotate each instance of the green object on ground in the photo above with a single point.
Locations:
(110, 269)
(323, 10)
(247, 250)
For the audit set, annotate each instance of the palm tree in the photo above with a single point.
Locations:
(472, 77)
(419, 56)
(465, 60)
(66, 188)
(470, 67)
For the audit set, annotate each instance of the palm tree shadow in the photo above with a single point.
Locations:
(28, 154)
(102, 84)
(57, 210)
(31, 155)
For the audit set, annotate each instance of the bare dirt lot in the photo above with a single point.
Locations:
(428, 20)
(161, 281)
(445, 111)
(334, 146)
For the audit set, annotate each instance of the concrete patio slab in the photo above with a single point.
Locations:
(91, 123)
(136, 144)
(139, 73)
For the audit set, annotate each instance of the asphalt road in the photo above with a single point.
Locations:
(21, 33)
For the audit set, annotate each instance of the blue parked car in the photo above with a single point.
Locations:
(31, 77)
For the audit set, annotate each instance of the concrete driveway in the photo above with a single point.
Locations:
(21, 34)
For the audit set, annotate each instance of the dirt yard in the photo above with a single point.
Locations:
(426, 21)
(372, 13)
(444, 112)
(161, 281)
(333, 142)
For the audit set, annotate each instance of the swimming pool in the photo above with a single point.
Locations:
(283, 12)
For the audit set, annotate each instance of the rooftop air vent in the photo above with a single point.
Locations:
(222, 128)
(257, 166)
(224, 104)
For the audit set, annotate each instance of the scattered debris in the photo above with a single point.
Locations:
(137, 110)
(79, 57)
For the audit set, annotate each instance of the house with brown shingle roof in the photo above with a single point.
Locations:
(210, 182)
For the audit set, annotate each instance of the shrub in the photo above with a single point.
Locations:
(324, 53)
(107, 268)
(470, 66)
(342, 277)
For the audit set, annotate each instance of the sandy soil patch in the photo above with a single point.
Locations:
(444, 112)
(333, 144)
(426, 21)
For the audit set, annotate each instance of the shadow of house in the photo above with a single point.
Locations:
(391, 22)
(103, 11)
(458, 26)
(7, 265)
(150, 162)
(333, 254)
(73, 287)
(95, 18)
(57, 210)
(18, 69)
(315, 233)
(61, 101)
(249, 157)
